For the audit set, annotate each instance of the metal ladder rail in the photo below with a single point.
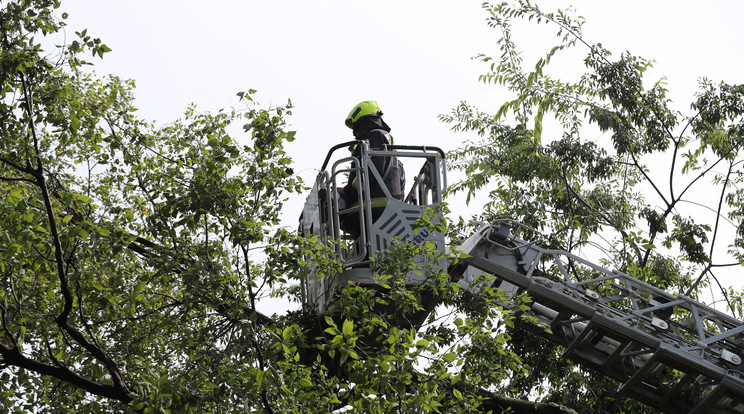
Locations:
(627, 343)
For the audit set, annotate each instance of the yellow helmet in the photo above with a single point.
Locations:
(362, 109)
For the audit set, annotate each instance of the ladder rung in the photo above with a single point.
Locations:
(576, 343)
(708, 401)
(559, 319)
(649, 366)
(616, 353)
(677, 388)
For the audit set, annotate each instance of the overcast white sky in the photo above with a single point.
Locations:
(412, 56)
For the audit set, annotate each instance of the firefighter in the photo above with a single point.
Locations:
(366, 123)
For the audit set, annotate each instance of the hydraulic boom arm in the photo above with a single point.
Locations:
(670, 352)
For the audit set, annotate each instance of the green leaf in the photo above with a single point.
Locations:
(449, 357)
(348, 327)
(14, 196)
(83, 198)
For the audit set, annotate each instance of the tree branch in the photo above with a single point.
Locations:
(498, 403)
(62, 319)
(12, 356)
(713, 240)
(605, 217)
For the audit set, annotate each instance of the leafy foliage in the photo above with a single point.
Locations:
(128, 265)
(604, 166)
(134, 257)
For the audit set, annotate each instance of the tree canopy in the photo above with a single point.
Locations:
(604, 165)
(133, 257)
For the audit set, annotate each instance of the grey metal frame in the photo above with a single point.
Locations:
(671, 352)
(395, 224)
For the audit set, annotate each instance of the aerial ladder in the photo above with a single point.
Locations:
(668, 351)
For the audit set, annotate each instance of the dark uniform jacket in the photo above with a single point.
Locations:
(388, 167)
